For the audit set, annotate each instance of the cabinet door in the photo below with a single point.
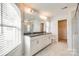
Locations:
(50, 38)
(41, 42)
(34, 46)
(46, 40)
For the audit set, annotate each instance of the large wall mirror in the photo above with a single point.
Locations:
(33, 23)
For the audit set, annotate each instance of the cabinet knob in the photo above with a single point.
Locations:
(37, 42)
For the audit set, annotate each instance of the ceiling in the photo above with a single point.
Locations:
(50, 9)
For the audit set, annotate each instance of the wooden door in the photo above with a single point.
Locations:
(62, 30)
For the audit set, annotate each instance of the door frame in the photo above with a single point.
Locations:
(58, 27)
(67, 29)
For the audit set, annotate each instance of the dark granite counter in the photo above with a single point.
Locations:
(36, 34)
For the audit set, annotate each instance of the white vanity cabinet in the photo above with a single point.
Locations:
(36, 43)
(39, 42)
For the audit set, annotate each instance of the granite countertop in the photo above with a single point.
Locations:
(35, 34)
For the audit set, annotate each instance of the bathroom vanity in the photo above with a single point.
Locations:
(36, 42)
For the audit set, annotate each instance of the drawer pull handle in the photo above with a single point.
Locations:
(37, 42)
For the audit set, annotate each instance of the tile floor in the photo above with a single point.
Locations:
(56, 49)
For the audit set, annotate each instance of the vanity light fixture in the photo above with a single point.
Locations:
(25, 21)
(43, 17)
(31, 11)
(28, 10)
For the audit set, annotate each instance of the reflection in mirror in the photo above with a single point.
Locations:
(35, 23)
